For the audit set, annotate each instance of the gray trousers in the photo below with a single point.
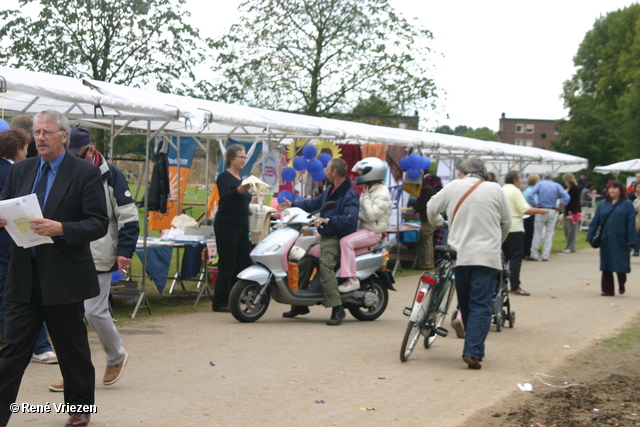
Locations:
(329, 254)
(426, 260)
(548, 224)
(96, 311)
(571, 234)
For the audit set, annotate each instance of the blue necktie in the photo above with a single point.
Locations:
(41, 186)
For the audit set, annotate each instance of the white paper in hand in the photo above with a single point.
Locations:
(17, 212)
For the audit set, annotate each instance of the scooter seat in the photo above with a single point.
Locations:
(365, 250)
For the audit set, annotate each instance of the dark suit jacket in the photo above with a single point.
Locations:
(66, 269)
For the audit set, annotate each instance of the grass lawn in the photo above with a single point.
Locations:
(559, 244)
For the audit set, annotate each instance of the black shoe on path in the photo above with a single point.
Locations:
(296, 310)
(337, 314)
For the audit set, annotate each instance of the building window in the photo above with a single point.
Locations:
(519, 142)
(556, 132)
(519, 128)
(528, 129)
(528, 142)
(543, 136)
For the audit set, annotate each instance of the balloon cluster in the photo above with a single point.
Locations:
(307, 162)
(413, 164)
(286, 195)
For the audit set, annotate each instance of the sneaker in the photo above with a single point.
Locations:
(349, 285)
(113, 373)
(567, 251)
(48, 357)
(57, 387)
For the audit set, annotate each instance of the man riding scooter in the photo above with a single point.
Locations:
(332, 226)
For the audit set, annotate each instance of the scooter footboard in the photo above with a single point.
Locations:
(255, 273)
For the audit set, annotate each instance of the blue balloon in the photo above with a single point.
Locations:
(319, 176)
(413, 173)
(314, 166)
(296, 197)
(309, 152)
(404, 163)
(425, 163)
(299, 163)
(414, 160)
(288, 174)
(324, 158)
(284, 195)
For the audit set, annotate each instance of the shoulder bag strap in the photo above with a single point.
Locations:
(609, 214)
(455, 211)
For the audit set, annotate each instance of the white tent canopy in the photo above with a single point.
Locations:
(626, 166)
(111, 106)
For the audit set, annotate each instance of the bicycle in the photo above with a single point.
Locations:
(430, 304)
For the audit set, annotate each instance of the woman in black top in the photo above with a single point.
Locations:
(231, 226)
(571, 223)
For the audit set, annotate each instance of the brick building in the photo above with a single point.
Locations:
(527, 132)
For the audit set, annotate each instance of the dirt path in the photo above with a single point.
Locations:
(207, 368)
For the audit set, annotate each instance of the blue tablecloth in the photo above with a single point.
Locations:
(159, 261)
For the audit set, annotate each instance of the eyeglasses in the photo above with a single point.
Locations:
(83, 153)
(45, 134)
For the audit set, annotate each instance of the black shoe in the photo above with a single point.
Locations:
(474, 363)
(337, 314)
(296, 310)
(221, 309)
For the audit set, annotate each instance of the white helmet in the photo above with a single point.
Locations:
(296, 253)
(373, 169)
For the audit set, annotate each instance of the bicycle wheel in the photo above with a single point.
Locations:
(438, 314)
(412, 334)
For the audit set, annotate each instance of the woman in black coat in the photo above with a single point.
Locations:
(231, 226)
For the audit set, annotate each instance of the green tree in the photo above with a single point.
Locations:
(483, 133)
(603, 95)
(444, 129)
(134, 42)
(321, 57)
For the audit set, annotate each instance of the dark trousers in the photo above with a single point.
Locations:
(529, 225)
(607, 284)
(475, 286)
(234, 248)
(69, 335)
(513, 248)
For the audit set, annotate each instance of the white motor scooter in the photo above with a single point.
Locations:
(257, 284)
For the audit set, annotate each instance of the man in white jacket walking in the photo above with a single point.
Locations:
(111, 253)
(479, 221)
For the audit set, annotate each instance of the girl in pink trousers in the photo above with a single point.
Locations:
(373, 218)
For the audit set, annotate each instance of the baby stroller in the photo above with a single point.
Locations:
(500, 305)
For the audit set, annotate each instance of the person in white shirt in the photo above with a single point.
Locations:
(477, 227)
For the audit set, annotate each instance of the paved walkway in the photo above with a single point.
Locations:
(208, 369)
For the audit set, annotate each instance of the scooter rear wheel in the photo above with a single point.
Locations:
(372, 313)
(242, 301)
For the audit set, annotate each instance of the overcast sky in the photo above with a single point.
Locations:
(499, 56)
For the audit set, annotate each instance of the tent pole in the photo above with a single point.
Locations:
(142, 298)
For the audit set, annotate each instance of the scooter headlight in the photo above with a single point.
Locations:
(287, 215)
(273, 248)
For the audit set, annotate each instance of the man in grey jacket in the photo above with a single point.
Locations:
(111, 253)
(479, 221)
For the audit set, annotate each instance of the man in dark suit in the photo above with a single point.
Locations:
(51, 281)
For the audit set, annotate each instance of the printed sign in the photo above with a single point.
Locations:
(270, 169)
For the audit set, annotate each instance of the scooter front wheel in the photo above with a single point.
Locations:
(243, 301)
